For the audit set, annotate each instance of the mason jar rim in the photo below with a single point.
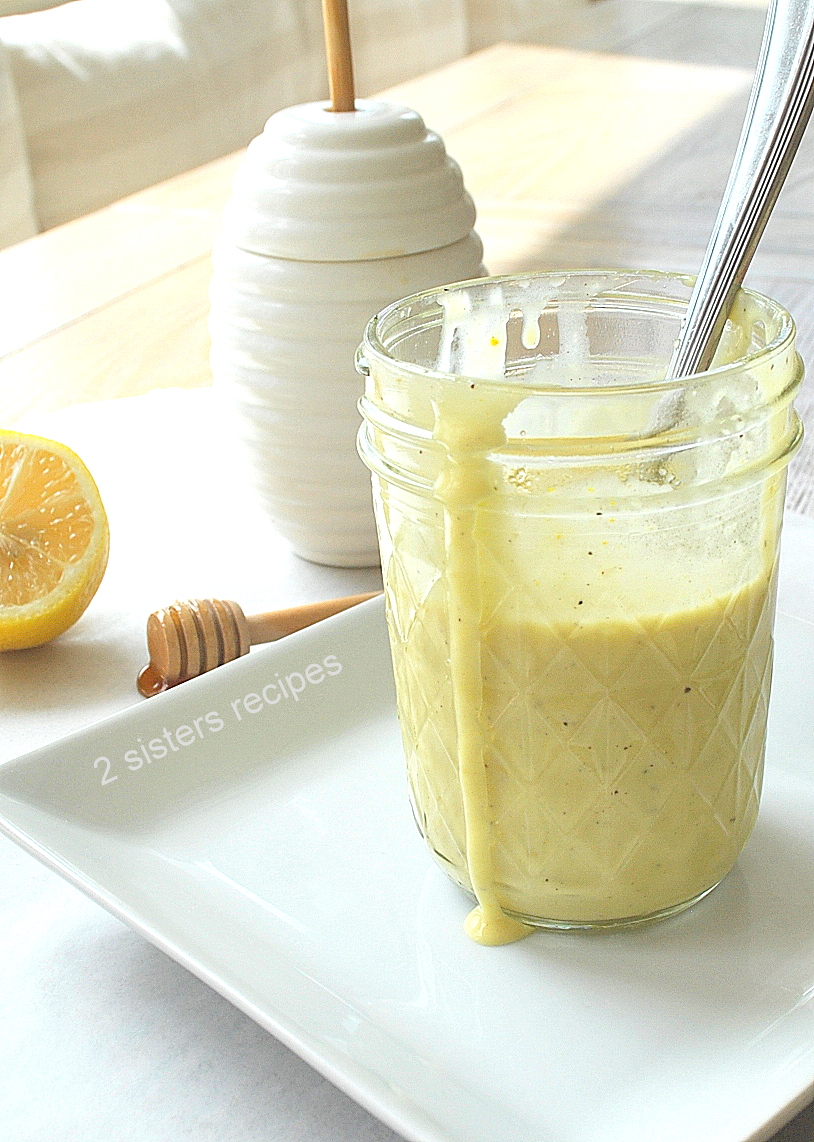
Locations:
(372, 345)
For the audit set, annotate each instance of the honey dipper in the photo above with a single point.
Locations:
(192, 636)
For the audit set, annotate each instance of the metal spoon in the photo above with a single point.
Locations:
(779, 108)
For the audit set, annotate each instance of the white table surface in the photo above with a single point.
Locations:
(104, 1038)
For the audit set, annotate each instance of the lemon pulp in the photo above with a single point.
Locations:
(54, 539)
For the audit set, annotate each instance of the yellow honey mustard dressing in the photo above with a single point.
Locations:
(464, 482)
(582, 641)
(609, 760)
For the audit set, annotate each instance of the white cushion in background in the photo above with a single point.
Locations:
(15, 7)
(529, 21)
(395, 40)
(116, 95)
(119, 94)
(16, 211)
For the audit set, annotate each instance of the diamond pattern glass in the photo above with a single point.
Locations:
(624, 751)
(579, 564)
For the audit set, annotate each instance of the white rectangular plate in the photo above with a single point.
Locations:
(267, 845)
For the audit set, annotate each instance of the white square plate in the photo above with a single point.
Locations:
(267, 845)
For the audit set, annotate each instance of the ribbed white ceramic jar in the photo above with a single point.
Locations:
(332, 217)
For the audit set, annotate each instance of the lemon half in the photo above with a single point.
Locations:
(54, 539)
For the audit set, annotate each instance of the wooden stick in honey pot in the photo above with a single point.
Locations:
(190, 637)
(338, 51)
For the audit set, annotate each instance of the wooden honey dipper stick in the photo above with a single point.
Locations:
(192, 636)
(338, 51)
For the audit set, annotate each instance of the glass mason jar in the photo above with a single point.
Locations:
(580, 564)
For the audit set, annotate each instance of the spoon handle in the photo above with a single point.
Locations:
(779, 108)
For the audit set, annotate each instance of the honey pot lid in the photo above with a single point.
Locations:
(320, 185)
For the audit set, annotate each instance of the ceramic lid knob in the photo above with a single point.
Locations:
(319, 185)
